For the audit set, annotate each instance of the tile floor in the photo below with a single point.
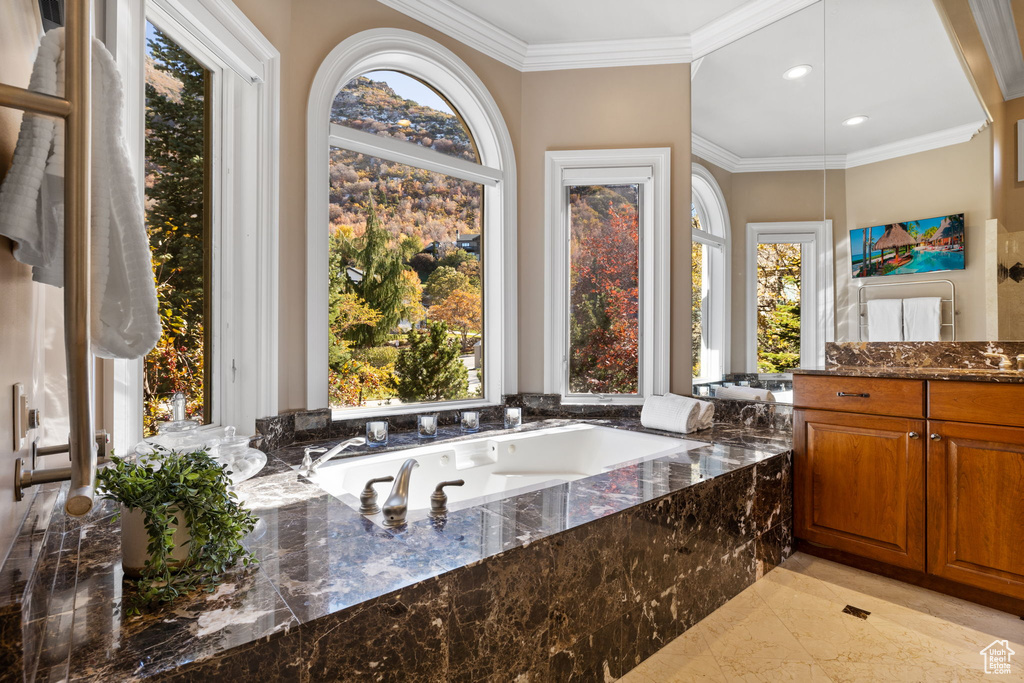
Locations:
(790, 626)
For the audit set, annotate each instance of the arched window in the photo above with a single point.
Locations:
(411, 233)
(710, 259)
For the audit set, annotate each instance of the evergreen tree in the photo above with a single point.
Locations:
(381, 286)
(430, 369)
(175, 219)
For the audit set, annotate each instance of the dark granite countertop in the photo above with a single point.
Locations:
(893, 372)
(319, 557)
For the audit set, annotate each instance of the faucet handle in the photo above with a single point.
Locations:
(1004, 360)
(439, 499)
(307, 459)
(1020, 362)
(368, 496)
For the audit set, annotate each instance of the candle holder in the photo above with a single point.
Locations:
(471, 420)
(427, 426)
(513, 417)
(377, 433)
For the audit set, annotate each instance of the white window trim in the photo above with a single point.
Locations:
(246, 162)
(711, 204)
(817, 278)
(413, 54)
(602, 166)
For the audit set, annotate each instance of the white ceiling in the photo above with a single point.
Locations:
(891, 61)
(563, 21)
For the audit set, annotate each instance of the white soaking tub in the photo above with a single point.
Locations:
(498, 466)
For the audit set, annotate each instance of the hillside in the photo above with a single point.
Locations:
(410, 201)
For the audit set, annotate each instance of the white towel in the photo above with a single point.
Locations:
(707, 415)
(672, 413)
(125, 322)
(744, 394)
(922, 319)
(885, 320)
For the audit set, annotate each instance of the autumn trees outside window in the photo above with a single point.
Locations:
(607, 275)
(405, 277)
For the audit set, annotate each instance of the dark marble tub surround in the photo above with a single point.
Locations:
(964, 355)
(337, 597)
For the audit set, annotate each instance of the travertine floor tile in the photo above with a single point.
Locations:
(674, 668)
(789, 626)
(771, 670)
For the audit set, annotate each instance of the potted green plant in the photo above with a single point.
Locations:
(182, 527)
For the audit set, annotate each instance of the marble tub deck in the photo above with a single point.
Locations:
(566, 578)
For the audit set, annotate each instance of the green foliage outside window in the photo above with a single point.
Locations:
(176, 223)
(778, 307)
(430, 368)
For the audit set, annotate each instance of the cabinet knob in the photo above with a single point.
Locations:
(936, 437)
(914, 435)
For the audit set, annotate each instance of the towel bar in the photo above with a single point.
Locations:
(76, 109)
(862, 302)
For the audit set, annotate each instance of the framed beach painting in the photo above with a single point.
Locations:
(928, 245)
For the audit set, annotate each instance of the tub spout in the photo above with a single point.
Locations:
(396, 507)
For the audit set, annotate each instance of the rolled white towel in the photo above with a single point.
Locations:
(672, 413)
(707, 414)
(744, 394)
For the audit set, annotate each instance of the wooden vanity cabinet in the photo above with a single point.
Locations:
(976, 505)
(861, 483)
(934, 484)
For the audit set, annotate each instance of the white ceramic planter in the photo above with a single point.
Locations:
(135, 542)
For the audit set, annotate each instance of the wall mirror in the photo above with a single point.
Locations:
(854, 161)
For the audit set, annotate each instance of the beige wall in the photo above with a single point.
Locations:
(597, 109)
(949, 180)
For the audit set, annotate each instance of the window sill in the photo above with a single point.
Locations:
(340, 414)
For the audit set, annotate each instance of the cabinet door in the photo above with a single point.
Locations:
(976, 505)
(860, 485)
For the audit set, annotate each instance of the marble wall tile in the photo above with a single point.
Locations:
(274, 432)
(919, 354)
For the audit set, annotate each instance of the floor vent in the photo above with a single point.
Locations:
(856, 611)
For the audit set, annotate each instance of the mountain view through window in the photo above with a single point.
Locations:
(405, 247)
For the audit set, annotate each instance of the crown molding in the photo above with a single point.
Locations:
(605, 53)
(466, 27)
(741, 22)
(481, 35)
(733, 163)
(916, 144)
(999, 34)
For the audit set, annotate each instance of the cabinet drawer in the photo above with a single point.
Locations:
(896, 397)
(978, 402)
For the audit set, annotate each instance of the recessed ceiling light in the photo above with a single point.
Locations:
(855, 120)
(797, 72)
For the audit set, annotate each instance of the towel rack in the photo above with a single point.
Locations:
(75, 108)
(862, 302)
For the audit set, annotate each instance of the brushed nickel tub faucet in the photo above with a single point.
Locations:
(396, 507)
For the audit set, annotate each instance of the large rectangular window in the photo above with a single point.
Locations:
(405, 305)
(606, 298)
(604, 289)
(178, 217)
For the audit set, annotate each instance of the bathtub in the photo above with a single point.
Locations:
(498, 466)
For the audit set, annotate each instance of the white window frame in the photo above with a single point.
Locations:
(714, 213)
(815, 286)
(245, 128)
(649, 167)
(388, 49)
